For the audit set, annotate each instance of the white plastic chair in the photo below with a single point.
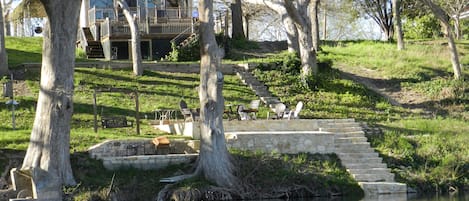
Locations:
(295, 114)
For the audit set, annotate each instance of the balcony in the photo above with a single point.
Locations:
(151, 21)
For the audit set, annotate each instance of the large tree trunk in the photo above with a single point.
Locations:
(315, 23)
(48, 152)
(444, 19)
(237, 31)
(3, 52)
(398, 24)
(214, 160)
(135, 40)
(303, 25)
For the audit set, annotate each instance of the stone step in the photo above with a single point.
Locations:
(339, 124)
(364, 166)
(370, 171)
(353, 145)
(258, 87)
(375, 188)
(358, 155)
(346, 160)
(350, 134)
(389, 177)
(354, 149)
(263, 93)
(350, 140)
(342, 130)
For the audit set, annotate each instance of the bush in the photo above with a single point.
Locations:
(422, 27)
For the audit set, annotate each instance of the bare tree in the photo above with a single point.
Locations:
(381, 12)
(135, 38)
(299, 15)
(315, 23)
(444, 19)
(3, 52)
(237, 30)
(48, 153)
(214, 160)
(290, 27)
(6, 7)
(398, 23)
(454, 8)
(251, 11)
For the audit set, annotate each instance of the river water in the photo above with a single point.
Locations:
(404, 197)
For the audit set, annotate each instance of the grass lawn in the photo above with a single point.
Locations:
(427, 153)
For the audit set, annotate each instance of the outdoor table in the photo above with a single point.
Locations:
(164, 115)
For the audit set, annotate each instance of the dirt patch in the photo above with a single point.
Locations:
(265, 49)
(20, 88)
(388, 88)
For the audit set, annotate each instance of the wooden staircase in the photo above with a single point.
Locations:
(94, 49)
(188, 40)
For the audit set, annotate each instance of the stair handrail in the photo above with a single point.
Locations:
(186, 31)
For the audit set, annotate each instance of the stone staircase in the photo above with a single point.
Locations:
(361, 160)
(259, 88)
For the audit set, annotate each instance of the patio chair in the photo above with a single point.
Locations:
(242, 114)
(294, 113)
(189, 114)
(279, 111)
(253, 108)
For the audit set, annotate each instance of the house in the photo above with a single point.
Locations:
(105, 33)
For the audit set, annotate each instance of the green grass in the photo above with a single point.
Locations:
(428, 154)
(23, 50)
(156, 90)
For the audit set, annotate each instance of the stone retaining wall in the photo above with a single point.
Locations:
(282, 142)
(148, 162)
(142, 153)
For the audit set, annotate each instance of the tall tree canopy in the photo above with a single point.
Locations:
(454, 8)
(381, 12)
(443, 17)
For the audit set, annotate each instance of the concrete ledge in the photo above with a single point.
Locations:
(192, 129)
(377, 188)
(150, 162)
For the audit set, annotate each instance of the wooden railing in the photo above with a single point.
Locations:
(115, 28)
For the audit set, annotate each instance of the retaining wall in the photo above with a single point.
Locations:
(142, 153)
(282, 142)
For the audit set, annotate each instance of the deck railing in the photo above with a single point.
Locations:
(150, 21)
(111, 28)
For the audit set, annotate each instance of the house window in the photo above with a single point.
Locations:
(131, 3)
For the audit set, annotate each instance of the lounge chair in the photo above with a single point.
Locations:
(189, 114)
(279, 111)
(295, 114)
(242, 114)
(253, 108)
